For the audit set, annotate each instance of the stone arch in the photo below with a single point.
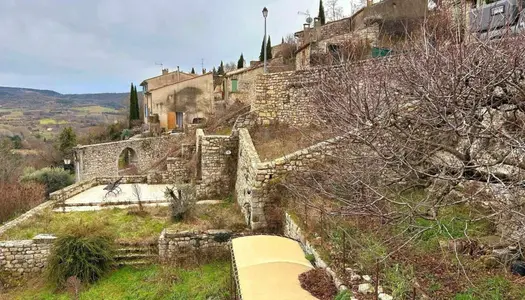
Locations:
(127, 161)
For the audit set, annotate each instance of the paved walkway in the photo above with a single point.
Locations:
(94, 198)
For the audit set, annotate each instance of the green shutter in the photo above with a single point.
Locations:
(234, 85)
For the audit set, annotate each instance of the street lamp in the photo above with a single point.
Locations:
(265, 14)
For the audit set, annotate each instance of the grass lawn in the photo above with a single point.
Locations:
(127, 227)
(48, 121)
(130, 227)
(152, 282)
(95, 109)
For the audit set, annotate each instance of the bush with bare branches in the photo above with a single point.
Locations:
(18, 198)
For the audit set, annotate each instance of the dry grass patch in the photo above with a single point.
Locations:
(226, 215)
(275, 141)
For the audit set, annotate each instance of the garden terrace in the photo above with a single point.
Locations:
(274, 141)
(131, 224)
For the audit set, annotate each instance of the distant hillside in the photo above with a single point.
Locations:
(15, 97)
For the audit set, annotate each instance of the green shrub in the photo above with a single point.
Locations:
(53, 178)
(82, 250)
(344, 295)
(398, 279)
(310, 257)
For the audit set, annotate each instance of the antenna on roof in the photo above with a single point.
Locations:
(307, 14)
(159, 64)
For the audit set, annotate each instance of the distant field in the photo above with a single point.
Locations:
(49, 121)
(95, 109)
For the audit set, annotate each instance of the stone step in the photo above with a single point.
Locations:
(134, 256)
(151, 249)
(135, 263)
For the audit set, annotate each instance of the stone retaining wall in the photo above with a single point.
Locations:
(183, 246)
(217, 156)
(254, 177)
(18, 258)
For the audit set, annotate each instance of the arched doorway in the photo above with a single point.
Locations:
(127, 162)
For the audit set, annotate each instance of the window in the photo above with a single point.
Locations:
(234, 85)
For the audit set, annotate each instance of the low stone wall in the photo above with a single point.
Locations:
(82, 186)
(293, 231)
(18, 258)
(73, 189)
(189, 246)
(25, 216)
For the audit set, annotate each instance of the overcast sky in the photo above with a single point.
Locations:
(89, 46)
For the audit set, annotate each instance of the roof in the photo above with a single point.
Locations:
(175, 83)
(268, 267)
(169, 73)
(247, 69)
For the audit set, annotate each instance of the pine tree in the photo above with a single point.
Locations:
(192, 71)
(66, 141)
(269, 48)
(282, 40)
(214, 71)
(240, 62)
(321, 13)
(261, 55)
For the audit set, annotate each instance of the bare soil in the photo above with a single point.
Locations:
(318, 283)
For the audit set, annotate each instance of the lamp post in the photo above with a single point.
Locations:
(265, 14)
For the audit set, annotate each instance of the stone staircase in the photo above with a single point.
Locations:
(136, 254)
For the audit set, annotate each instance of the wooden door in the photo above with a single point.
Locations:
(171, 120)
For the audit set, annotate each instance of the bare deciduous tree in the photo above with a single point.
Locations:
(334, 11)
(441, 117)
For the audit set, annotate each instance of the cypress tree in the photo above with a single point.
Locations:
(137, 109)
(131, 104)
(321, 13)
(240, 63)
(221, 69)
(192, 71)
(269, 48)
(261, 55)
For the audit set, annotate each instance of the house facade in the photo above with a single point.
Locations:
(184, 102)
(239, 85)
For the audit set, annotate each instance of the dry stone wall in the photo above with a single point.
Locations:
(18, 258)
(254, 177)
(181, 246)
(217, 164)
(102, 159)
(285, 97)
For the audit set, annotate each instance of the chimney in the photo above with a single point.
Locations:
(317, 22)
(165, 71)
(306, 29)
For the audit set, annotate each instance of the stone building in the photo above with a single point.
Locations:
(183, 102)
(239, 85)
(369, 25)
(151, 84)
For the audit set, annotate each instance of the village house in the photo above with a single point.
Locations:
(239, 85)
(178, 99)
(366, 25)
